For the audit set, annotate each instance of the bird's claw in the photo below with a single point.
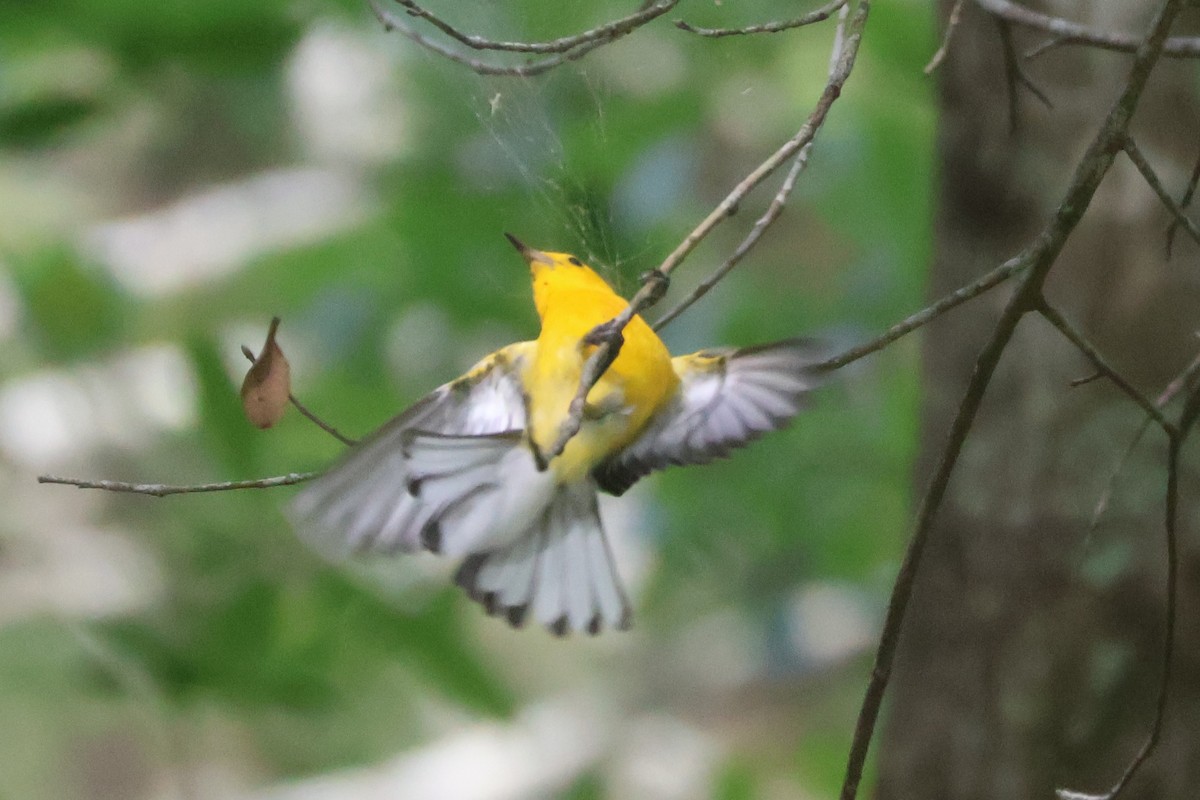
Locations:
(605, 332)
(658, 281)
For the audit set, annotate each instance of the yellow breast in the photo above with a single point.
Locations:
(639, 382)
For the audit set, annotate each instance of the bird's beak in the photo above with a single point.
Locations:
(530, 255)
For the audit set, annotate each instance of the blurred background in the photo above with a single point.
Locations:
(174, 174)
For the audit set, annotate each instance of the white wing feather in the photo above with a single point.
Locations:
(727, 398)
(363, 504)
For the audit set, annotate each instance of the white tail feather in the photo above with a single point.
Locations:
(560, 571)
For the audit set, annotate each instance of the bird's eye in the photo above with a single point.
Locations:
(575, 261)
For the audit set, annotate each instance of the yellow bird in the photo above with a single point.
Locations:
(464, 472)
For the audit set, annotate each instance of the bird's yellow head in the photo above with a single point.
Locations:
(554, 271)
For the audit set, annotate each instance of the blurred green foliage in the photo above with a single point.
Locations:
(126, 107)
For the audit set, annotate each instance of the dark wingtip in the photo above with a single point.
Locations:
(560, 627)
(516, 615)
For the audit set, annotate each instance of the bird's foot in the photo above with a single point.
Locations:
(606, 332)
(658, 281)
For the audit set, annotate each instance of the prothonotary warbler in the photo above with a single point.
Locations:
(463, 472)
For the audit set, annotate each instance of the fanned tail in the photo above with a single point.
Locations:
(532, 547)
(560, 571)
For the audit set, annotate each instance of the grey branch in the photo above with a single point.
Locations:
(1015, 76)
(1143, 166)
(1036, 260)
(818, 15)
(587, 43)
(1184, 202)
(606, 32)
(847, 50)
(760, 227)
(947, 36)
(1183, 380)
(1064, 32)
(163, 489)
(1076, 337)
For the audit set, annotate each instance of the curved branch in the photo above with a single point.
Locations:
(818, 15)
(606, 32)
(587, 44)
(846, 49)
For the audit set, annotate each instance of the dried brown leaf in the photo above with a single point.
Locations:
(268, 384)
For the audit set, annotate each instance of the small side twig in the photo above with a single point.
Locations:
(1075, 337)
(947, 36)
(818, 15)
(760, 227)
(926, 315)
(1183, 380)
(605, 32)
(320, 423)
(1015, 75)
(1135, 155)
(777, 203)
(1184, 202)
(1085, 380)
(163, 489)
(1170, 523)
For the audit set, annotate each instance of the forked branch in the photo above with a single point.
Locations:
(846, 51)
(1066, 32)
(1037, 260)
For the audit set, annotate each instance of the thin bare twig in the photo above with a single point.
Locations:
(1174, 447)
(606, 32)
(651, 290)
(1015, 75)
(163, 489)
(1066, 32)
(1184, 202)
(947, 36)
(818, 15)
(1139, 160)
(1075, 337)
(760, 227)
(1037, 260)
(1182, 381)
(320, 423)
(391, 22)
(1085, 380)
(777, 204)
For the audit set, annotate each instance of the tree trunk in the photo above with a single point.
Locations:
(1032, 653)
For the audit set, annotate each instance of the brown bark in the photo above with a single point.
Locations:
(1030, 659)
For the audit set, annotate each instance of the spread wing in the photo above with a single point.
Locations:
(363, 503)
(726, 399)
